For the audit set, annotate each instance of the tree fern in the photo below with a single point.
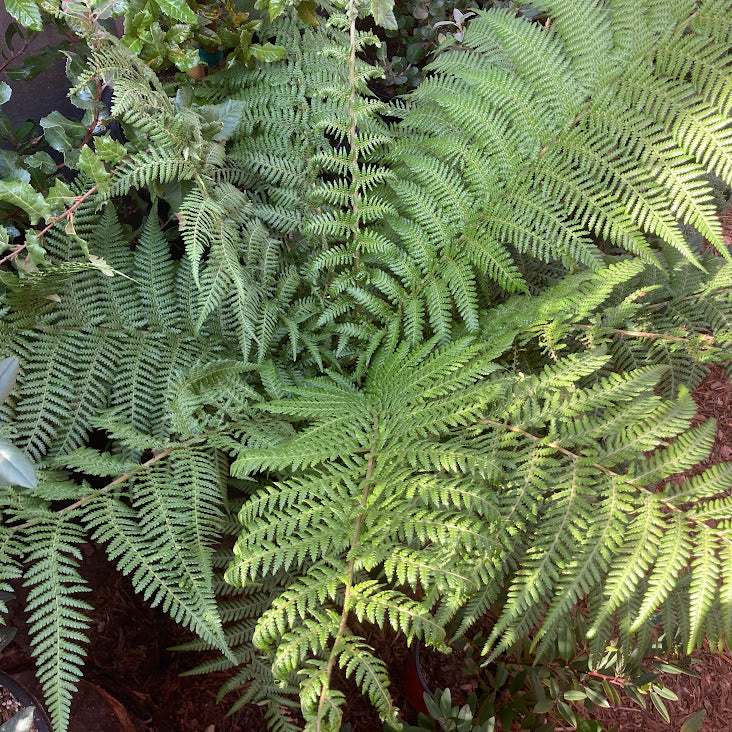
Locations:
(491, 295)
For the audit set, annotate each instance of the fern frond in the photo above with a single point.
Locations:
(57, 622)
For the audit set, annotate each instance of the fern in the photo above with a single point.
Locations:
(56, 621)
(492, 295)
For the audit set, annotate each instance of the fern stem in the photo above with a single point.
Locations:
(351, 572)
(641, 333)
(117, 481)
(352, 135)
(556, 446)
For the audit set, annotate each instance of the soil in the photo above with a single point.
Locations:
(132, 681)
(10, 706)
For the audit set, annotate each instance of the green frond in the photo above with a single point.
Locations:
(57, 622)
(585, 28)
(165, 565)
(370, 674)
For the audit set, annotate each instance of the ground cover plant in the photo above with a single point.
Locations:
(391, 364)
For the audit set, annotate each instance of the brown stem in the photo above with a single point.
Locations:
(69, 211)
(638, 333)
(117, 481)
(54, 220)
(15, 55)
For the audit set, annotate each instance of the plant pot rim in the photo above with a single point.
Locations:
(40, 718)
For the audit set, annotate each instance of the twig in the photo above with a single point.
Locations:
(117, 481)
(15, 55)
(54, 220)
(69, 211)
(641, 333)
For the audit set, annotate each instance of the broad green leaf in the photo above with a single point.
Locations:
(8, 371)
(695, 722)
(41, 160)
(102, 265)
(15, 468)
(225, 116)
(92, 165)
(275, 8)
(5, 92)
(33, 64)
(267, 52)
(61, 133)
(178, 33)
(544, 706)
(383, 12)
(177, 9)
(10, 166)
(59, 196)
(108, 149)
(26, 12)
(186, 59)
(575, 695)
(306, 11)
(6, 635)
(23, 195)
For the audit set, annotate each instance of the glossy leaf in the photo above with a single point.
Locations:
(61, 133)
(15, 468)
(23, 195)
(694, 722)
(383, 12)
(26, 12)
(9, 368)
(92, 165)
(177, 9)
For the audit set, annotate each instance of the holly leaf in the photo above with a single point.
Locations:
(108, 149)
(177, 9)
(275, 8)
(23, 195)
(267, 52)
(61, 133)
(33, 64)
(5, 92)
(15, 468)
(26, 12)
(59, 196)
(102, 265)
(383, 12)
(93, 166)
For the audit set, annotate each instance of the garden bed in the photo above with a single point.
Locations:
(133, 683)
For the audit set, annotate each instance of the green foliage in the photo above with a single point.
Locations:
(444, 347)
(568, 687)
(451, 717)
(184, 34)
